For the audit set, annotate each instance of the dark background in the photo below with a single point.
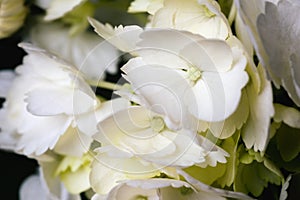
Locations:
(14, 168)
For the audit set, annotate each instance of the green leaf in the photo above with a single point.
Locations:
(292, 166)
(207, 175)
(249, 180)
(230, 146)
(288, 142)
(273, 168)
(225, 6)
(267, 175)
(255, 172)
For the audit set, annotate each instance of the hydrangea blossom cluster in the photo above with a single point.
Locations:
(194, 113)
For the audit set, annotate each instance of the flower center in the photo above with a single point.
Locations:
(157, 124)
(194, 74)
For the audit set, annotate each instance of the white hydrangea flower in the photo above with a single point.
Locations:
(202, 17)
(47, 98)
(207, 74)
(156, 188)
(12, 16)
(89, 53)
(107, 171)
(226, 128)
(203, 77)
(167, 189)
(138, 132)
(261, 18)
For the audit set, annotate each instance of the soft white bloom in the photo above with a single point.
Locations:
(261, 18)
(107, 172)
(136, 144)
(89, 53)
(138, 132)
(48, 98)
(166, 188)
(154, 189)
(12, 16)
(57, 8)
(226, 128)
(194, 75)
(34, 187)
(180, 71)
(202, 17)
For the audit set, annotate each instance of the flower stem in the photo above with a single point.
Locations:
(105, 85)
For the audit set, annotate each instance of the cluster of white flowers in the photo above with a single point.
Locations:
(192, 116)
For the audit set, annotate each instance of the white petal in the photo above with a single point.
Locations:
(121, 124)
(163, 40)
(214, 154)
(243, 35)
(6, 79)
(161, 90)
(73, 143)
(43, 64)
(186, 151)
(284, 16)
(38, 139)
(130, 131)
(225, 129)
(107, 172)
(89, 53)
(58, 8)
(46, 102)
(218, 94)
(208, 55)
(256, 131)
(199, 17)
(52, 185)
(87, 122)
(124, 38)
